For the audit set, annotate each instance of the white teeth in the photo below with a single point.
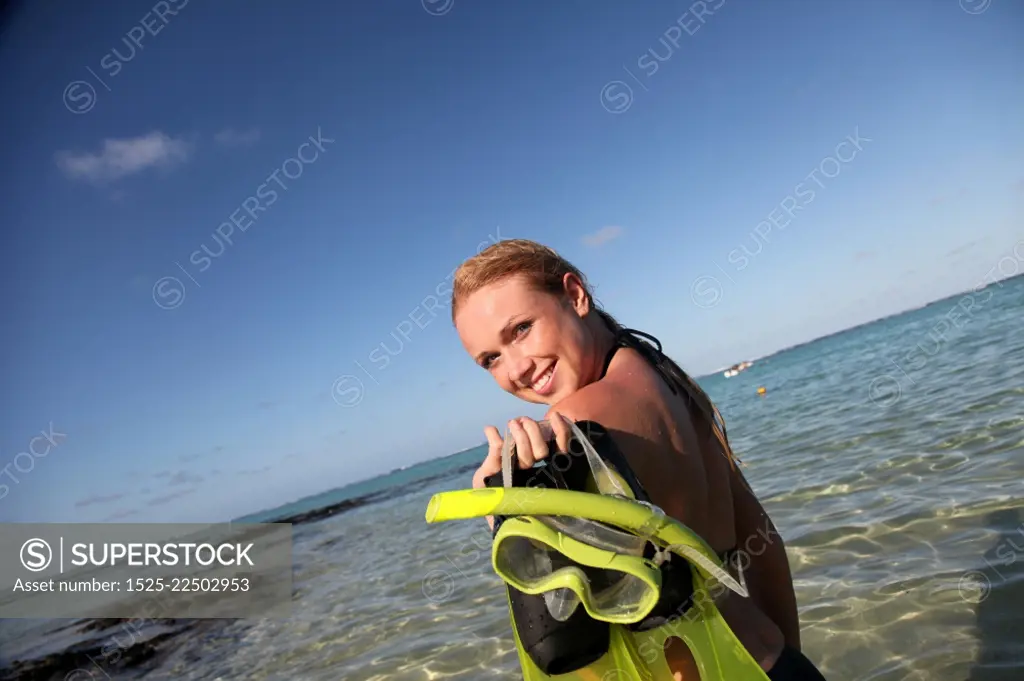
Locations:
(543, 381)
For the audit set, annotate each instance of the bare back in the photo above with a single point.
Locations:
(674, 454)
(679, 461)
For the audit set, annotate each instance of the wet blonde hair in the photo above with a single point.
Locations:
(545, 270)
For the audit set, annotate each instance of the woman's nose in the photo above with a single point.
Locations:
(521, 369)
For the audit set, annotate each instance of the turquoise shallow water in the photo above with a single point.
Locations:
(891, 457)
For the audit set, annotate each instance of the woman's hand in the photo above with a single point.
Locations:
(531, 445)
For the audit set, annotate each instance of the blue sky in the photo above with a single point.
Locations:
(398, 137)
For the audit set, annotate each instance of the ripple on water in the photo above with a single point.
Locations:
(897, 519)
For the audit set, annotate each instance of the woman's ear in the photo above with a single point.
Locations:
(576, 293)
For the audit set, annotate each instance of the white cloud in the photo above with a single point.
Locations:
(602, 236)
(123, 157)
(229, 137)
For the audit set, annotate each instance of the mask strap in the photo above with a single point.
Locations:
(506, 460)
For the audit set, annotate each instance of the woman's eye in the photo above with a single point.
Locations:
(517, 332)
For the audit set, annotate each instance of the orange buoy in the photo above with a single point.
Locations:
(761, 390)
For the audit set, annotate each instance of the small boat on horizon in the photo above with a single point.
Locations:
(737, 368)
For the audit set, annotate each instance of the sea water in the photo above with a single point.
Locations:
(890, 456)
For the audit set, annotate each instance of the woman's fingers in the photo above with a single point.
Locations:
(485, 471)
(524, 448)
(492, 464)
(563, 433)
(494, 442)
(538, 442)
(526, 452)
(531, 445)
(531, 442)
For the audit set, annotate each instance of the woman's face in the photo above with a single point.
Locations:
(536, 345)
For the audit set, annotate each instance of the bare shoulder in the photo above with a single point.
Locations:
(602, 402)
(633, 408)
(629, 399)
(630, 414)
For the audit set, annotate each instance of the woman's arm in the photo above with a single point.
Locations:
(766, 567)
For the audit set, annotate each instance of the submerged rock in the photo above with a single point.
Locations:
(113, 651)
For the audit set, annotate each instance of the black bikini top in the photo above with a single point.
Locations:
(650, 348)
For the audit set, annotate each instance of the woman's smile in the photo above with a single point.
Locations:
(545, 384)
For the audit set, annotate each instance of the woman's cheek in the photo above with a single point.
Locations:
(501, 380)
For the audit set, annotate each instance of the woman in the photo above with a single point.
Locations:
(528, 317)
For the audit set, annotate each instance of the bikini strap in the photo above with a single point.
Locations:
(649, 348)
(642, 343)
